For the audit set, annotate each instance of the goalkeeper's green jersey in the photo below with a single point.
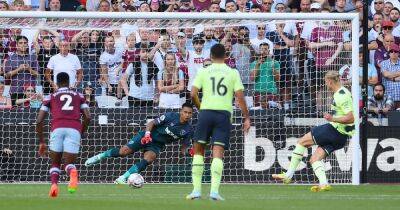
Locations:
(341, 106)
(219, 82)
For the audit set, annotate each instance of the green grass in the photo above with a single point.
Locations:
(160, 197)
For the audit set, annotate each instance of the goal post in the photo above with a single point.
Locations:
(250, 159)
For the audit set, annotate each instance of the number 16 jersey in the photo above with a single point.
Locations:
(219, 83)
(65, 107)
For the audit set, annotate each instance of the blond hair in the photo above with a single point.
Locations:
(333, 76)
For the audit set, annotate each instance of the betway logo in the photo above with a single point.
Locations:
(343, 158)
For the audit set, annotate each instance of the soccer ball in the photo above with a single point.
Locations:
(135, 180)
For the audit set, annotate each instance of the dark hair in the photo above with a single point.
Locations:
(395, 8)
(264, 44)
(62, 79)
(255, 6)
(21, 37)
(218, 51)
(229, 1)
(187, 104)
(380, 84)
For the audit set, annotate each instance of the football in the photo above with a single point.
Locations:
(135, 180)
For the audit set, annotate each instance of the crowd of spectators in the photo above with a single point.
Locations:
(279, 61)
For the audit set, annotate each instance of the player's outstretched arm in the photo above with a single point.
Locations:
(39, 130)
(245, 112)
(86, 120)
(347, 119)
(195, 97)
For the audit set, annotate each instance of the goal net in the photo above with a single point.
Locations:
(133, 67)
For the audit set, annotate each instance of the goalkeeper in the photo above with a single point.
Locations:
(163, 130)
(328, 137)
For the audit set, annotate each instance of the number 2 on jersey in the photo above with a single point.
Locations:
(67, 104)
(220, 88)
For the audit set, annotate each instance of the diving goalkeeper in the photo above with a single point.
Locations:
(163, 130)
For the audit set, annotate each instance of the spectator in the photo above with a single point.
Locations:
(111, 67)
(19, 5)
(382, 53)
(386, 10)
(201, 5)
(20, 68)
(241, 6)
(88, 94)
(9, 45)
(54, 5)
(380, 103)
(64, 62)
(265, 74)
(372, 74)
(261, 38)
(394, 17)
(391, 74)
(378, 7)
(5, 101)
(155, 6)
(243, 53)
(144, 37)
(195, 58)
(230, 6)
(214, 7)
(144, 7)
(131, 54)
(88, 53)
(4, 6)
(142, 75)
(158, 52)
(387, 28)
(31, 99)
(170, 83)
(282, 43)
(95, 5)
(266, 5)
(255, 8)
(229, 59)
(209, 38)
(69, 5)
(44, 52)
(104, 6)
(340, 6)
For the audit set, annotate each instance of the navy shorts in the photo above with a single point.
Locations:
(328, 138)
(213, 127)
(136, 145)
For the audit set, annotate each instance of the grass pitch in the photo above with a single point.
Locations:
(171, 197)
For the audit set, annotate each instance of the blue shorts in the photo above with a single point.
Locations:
(65, 140)
(136, 145)
(213, 127)
(328, 138)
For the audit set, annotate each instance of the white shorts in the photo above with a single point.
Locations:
(65, 140)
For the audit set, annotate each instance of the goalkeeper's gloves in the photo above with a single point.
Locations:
(147, 138)
(189, 151)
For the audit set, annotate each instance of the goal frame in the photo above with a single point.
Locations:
(353, 17)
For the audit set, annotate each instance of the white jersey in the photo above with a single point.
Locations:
(146, 90)
(113, 63)
(195, 62)
(69, 64)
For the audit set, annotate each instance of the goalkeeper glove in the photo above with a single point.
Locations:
(189, 151)
(147, 138)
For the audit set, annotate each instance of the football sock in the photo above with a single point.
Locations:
(217, 166)
(197, 172)
(114, 152)
(69, 168)
(297, 155)
(319, 171)
(137, 168)
(54, 174)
